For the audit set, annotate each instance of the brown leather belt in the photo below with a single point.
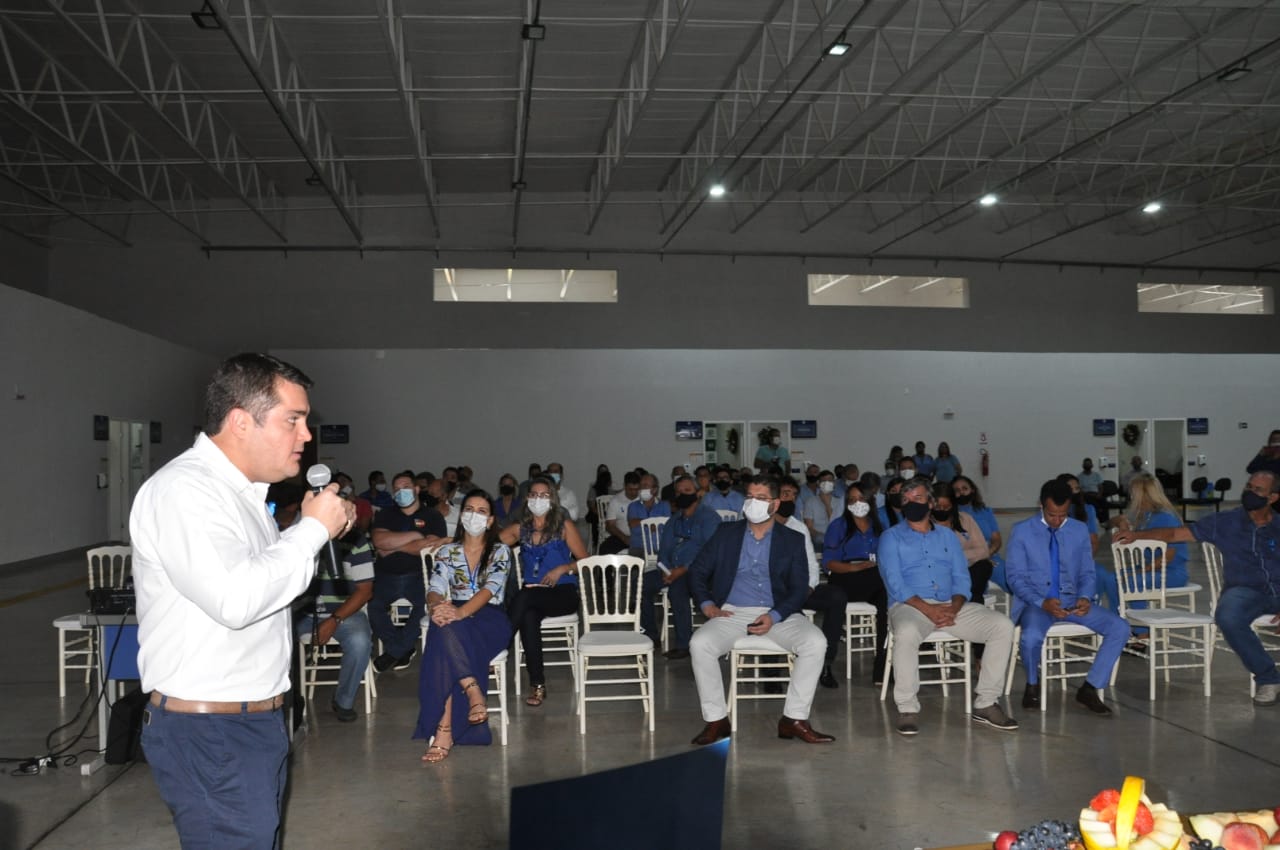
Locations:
(190, 706)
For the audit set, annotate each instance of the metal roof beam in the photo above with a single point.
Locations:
(394, 31)
(253, 34)
(29, 170)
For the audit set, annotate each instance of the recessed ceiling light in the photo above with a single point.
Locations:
(1153, 207)
(988, 200)
(839, 48)
(717, 190)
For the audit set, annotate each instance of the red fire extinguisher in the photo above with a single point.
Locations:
(986, 462)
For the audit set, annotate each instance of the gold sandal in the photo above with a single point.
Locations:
(536, 696)
(437, 753)
(479, 711)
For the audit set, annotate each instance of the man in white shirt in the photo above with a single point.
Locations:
(616, 524)
(568, 499)
(214, 580)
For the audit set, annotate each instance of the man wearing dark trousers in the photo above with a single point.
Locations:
(214, 579)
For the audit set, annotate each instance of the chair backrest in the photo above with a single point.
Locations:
(1220, 488)
(1213, 562)
(728, 515)
(428, 565)
(609, 586)
(1140, 571)
(1198, 486)
(109, 566)
(602, 516)
(651, 537)
(1109, 489)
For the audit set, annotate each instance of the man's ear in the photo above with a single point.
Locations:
(238, 422)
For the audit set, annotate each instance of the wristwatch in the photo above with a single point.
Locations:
(338, 619)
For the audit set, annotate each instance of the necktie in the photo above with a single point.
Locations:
(1054, 565)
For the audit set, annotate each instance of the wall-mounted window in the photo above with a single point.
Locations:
(552, 285)
(1201, 298)
(860, 290)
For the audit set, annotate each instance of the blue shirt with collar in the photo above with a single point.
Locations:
(928, 564)
(1027, 563)
(751, 584)
(1250, 553)
(639, 510)
(730, 501)
(684, 536)
(925, 464)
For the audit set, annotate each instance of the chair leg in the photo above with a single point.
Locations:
(888, 666)
(62, 664)
(581, 665)
(517, 660)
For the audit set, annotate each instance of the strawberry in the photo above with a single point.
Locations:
(1108, 815)
(1143, 822)
(1110, 797)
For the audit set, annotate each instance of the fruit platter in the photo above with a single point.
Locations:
(1126, 819)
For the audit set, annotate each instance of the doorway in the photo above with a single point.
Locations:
(753, 443)
(128, 464)
(1162, 446)
(723, 443)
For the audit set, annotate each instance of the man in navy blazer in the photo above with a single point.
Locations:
(752, 578)
(1043, 596)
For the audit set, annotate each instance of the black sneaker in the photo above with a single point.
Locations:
(346, 715)
(383, 662)
(404, 662)
(1087, 696)
(828, 679)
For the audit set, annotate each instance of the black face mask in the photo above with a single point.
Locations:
(684, 500)
(966, 499)
(915, 511)
(1251, 501)
(723, 484)
(811, 478)
(941, 516)
(429, 500)
(507, 489)
(786, 509)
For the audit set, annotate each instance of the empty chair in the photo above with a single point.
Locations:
(1179, 639)
(602, 516)
(859, 632)
(612, 642)
(109, 567)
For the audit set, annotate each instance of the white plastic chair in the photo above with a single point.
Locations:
(952, 665)
(651, 539)
(859, 632)
(559, 635)
(609, 587)
(1066, 645)
(602, 516)
(1264, 625)
(497, 684)
(727, 515)
(748, 667)
(1173, 632)
(320, 666)
(108, 566)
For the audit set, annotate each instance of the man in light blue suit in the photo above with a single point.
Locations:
(1051, 573)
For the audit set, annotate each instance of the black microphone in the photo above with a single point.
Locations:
(319, 476)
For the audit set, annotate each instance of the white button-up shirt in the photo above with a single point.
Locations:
(214, 579)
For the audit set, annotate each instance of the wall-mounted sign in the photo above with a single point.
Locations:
(804, 429)
(155, 432)
(1198, 425)
(1104, 427)
(335, 433)
(101, 428)
(690, 429)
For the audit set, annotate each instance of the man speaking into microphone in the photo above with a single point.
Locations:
(214, 580)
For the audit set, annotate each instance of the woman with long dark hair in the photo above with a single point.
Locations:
(550, 547)
(969, 500)
(849, 558)
(972, 540)
(468, 628)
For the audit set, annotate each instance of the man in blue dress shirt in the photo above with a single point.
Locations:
(925, 572)
(1050, 571)
(752, 578)
(722, 496)
(685, 533)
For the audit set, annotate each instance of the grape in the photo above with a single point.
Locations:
(1047, 835)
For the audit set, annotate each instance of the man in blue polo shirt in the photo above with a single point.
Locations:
(1249, 540)
(927, 577)
(722, 496)
(685, 533)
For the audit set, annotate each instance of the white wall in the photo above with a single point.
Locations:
(71, 365)
(499, 410)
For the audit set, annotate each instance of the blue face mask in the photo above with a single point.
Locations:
(555, 476)
(404, 497)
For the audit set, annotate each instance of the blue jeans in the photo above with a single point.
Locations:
(355, 639)
(397, 641)
(678, 597)
(1035, 623)
(1237, 608)
(221, 775)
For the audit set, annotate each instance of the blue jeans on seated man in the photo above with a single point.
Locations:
(1109, 586)
(397, 641)
(355, 638)
(1237, 608)
(1035, 623)
(678, 597)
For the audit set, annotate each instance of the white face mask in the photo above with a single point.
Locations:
(646, 495)
(381, 487)
(776, 441)
(755, 510)
(474, 522)
(859, 509)
(907, 474)
(826, 486)
(539, 506)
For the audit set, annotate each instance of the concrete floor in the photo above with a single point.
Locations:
(363, 784)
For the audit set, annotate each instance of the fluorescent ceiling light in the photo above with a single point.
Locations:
(839, 48)
(717, 190)
(988, 200)
(1153, 207)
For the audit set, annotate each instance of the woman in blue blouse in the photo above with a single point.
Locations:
(468, 628)
(550, 547)
(1149, 508)
(946, 466)
(849, 558)
(969, 501)
(507, 504)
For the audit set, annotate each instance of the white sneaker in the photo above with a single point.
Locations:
(1267, 695)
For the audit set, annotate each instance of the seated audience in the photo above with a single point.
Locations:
(550, 547)
(924, 570)
(646, 506)
(602, 486)
(568, 499)
(826, 599)
(924, 462)
(722, 496)
(819, 509)
(616, 525)
(702, 478)
(849, 559)
(507, 503)
(968, 498)
(892, 461)
(364, 510)
(847, 477)
(1149, 509)
(1050, 569)
(377, 494)
(1091, 485)
(468, 628)
(437, 497)
(535, 469)
(891, 510)
(971, 538)
(683, 536)
(669, 492)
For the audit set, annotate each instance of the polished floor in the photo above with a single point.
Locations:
(363, 784)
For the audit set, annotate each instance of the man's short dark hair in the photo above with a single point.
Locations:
(631, 478)
(247, 381)
(684, 477)
(1055, 490)
(405, 473)
(375, 475)
(787, 481)
(773, 482)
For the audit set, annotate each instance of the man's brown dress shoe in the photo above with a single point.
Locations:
(788, 728)
(714, 731)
